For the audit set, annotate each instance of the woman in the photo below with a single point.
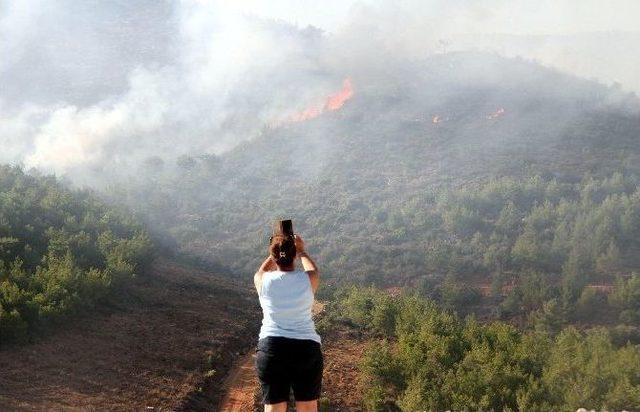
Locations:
(288, 355)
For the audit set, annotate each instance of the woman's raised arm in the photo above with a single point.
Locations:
(308, 264)
(266, 266)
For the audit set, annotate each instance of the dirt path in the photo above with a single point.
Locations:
(240, 386)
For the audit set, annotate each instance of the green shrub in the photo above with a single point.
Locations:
(589, 303)
(455, 294)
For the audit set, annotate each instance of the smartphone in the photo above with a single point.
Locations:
(282, 227)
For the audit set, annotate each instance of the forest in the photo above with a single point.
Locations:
(488, 219)
(422, 357)
(519, 166)
(62, 252)
(510, 244)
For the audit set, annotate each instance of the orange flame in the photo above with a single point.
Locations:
(336, 101)
(496, 114)
(332, 103)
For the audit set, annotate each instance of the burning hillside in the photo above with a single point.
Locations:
(332, 103)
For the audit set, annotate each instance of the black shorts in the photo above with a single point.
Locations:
(284, 364)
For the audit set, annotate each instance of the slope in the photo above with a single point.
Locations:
(165, 344)
(361, 182)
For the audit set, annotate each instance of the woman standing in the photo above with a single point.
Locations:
(289, 354)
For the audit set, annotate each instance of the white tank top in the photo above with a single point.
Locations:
(286, 299)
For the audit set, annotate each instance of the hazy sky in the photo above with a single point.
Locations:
(84, 83)
(511, 16)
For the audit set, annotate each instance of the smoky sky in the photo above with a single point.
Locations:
(90, 83)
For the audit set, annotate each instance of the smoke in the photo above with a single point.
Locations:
(221, 83)
(584, 38)
(95, 86)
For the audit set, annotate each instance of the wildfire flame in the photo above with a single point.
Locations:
(337, 100)
(436, 119)
(332, 103)
(496, 114)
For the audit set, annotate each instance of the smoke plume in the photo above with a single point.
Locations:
(90, 87)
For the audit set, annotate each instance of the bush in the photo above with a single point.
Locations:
(626, 293)
(589, 303)
(455, 294)
(625, 334)
(629, 316)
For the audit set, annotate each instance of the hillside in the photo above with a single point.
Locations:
(372, 185)
(92, 318)
(165, 343)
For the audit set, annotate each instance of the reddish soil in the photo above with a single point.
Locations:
(165, 344)
(241, 386)
(343, 349)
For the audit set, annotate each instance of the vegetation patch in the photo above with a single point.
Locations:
(61, 251)
(425, 358)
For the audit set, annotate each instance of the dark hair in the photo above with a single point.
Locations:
(283, 249)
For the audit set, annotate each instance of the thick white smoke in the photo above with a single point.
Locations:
(163, 106)
(205, 99)
(87, 85)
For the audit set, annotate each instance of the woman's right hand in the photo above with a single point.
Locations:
(308, 264)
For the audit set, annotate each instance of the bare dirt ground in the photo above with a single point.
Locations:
(342, 350)
(240, 386)
(166, 344)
